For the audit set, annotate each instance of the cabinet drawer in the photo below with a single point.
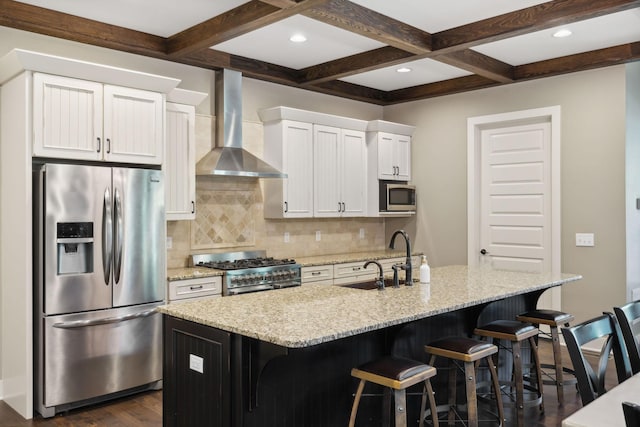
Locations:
(352, 269)
(195, 288)
(316, 273)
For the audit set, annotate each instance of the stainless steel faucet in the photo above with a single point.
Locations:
(380, 278)
(407, 267)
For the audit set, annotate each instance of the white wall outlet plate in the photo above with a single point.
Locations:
(196, 363)
(585, 239)
(362, 233)
(169, 242)
(635, 294)
(318, 236)
(286, 237)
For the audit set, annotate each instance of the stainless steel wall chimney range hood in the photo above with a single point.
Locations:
(228, 158)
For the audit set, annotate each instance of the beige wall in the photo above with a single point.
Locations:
(593, 175)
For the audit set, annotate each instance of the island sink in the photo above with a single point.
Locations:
(371, 284)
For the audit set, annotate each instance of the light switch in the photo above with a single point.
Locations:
(584, 239)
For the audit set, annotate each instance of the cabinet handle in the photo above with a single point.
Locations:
(286, 207)
(344, 207)
(99, 144)
(339, 207)
(108, 146)
(356, 268)
(195, 288)
(315, 273)
(193, 207)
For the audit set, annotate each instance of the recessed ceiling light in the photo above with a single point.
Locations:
(298, 38)
(565, 32)
(404, 70)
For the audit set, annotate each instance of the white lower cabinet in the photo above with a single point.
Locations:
(191, 289)
(351, 272)
(317, 275)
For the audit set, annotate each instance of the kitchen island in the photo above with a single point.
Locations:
(283, 358)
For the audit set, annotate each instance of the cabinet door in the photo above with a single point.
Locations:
(298, 165)
(133, 128)
(326, 189)
(403, 156)
(179, 165)
(386, 156)
(67, 118)
(353, 173)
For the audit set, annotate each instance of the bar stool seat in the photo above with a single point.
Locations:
(397, 374)
(515, 332)
(553, 319)
(470, 352)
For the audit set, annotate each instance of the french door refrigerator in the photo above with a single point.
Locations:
(99, 274)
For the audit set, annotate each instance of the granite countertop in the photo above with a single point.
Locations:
(195, 272)
(313, 314)
(191, 273)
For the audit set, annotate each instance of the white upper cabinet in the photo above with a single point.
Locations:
(79, 119)
(339, 172)
(390, 145)
(289, 148)
(133, 128)
(180, 164)
(394, 156)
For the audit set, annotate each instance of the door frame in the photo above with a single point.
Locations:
(475, 126)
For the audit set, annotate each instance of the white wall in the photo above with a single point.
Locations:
(593, 175)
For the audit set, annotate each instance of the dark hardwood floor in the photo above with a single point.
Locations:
(146, 409)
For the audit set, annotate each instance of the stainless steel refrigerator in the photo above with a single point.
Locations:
(99, 274)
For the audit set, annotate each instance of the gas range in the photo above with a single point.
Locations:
(250, 271)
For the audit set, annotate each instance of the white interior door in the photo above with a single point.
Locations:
(515, 220)
(514, 203)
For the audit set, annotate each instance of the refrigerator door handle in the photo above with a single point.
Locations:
(118, 234)
(104, 321)
(107, 236)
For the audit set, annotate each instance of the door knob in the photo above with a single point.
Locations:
(484, 251)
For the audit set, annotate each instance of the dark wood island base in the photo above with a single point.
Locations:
(216, 377)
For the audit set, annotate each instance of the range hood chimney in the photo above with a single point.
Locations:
(228, 158)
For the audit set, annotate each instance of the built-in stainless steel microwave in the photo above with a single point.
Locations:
(397, 196)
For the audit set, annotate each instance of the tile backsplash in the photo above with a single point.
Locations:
(230, 217)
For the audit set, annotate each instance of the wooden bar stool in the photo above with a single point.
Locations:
(553, 319)
(470, 352)
(397, 374)
(515, 332)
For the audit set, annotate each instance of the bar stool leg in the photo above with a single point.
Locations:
(356, 402)
(496, 389)
(400, 402)
(536, 358)
(452, 393)
(517, 374)
(472, 399)
(428, 394)
(386, 407)
(557, 361)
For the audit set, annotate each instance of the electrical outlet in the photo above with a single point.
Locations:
(169, 242)
(196, 363)
(286, 237)
(635, 294)
(585, 239)
(362, 233)
(318, 236)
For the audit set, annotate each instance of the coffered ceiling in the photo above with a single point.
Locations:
(353, 49)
